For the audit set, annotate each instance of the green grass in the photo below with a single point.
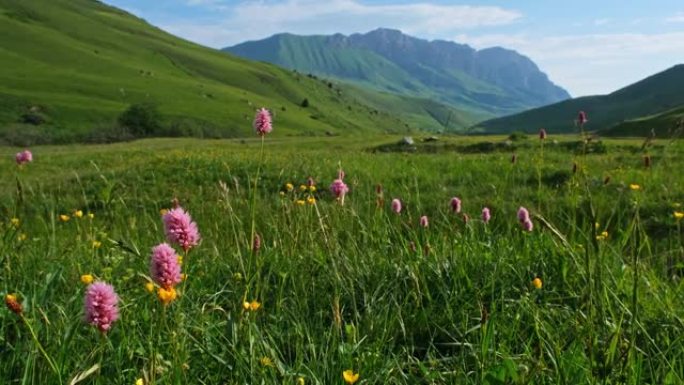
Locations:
(341, 287)
(81, 64)
(653, 95)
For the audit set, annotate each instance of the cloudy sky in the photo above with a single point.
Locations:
(587, 47)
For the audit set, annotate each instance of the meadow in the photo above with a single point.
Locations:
(348, 293)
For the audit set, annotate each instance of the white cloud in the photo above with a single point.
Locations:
(250, 20)
(593, 64)
(678, 18)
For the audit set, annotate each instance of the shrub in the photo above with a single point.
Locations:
(305, 103)
(141, 119)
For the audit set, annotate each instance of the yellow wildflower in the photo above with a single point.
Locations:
(96, 244)
(149, 286)
(266, 361)
(91, 215)
(634, 187)
(312, 188)
(300, 202)
(163, 211)
(179, 258)
(311, 200)
(167, 295)
(78, 214)
(15, 222)
(87, 279)
(350, 377)
(184, 277)
(537, 283)
(289, 187)
(139, 381)
(300, 381)
(22, 237)
(302, 187)
(64, 218)
(251, 306)
(602, 237)
(678, 215)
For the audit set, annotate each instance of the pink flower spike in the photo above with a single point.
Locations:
(101, 306)
(542, 134)
(339, 188)
(180, 229)
(424, 221)
(164, 267)
(23, 157)
(396, 205)
(455, 205)
(582, 118)
(262, 122)
(486, 215)
(523, 215)
(527, 225)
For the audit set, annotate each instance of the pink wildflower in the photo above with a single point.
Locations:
(339, 188)
(523, 214)
(101, 306)
(256, 245)
(455, 205)
(486, 215)
(424, 221)
(542, 134)
(180, 228)
(23, 157)
(582, 118)
(396, 205)
(262, 122)
(164, 267)
(527, 225)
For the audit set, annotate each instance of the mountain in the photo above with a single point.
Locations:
(665, 125)
(492, 81)
(651, 96)
(71, 67)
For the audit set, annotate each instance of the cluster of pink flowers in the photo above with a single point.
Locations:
(524, 219)
(338, 188)
(101, 306)
(262, 122)
(180, 229)
(164, 267)
(23, 157)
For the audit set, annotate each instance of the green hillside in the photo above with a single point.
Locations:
(76, 65)
(666, 124)
(651, 96)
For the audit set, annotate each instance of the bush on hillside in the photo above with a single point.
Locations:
(142, 119)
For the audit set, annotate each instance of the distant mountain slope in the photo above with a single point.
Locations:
(666, 124)
(78, 64)
(491, 81)
(653, 95)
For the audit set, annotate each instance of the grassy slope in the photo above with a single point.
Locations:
(652, 95)
(663, 124)
(83, 63)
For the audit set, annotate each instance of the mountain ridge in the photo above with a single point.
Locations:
(493, 81)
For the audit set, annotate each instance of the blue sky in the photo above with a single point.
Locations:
(587, 47)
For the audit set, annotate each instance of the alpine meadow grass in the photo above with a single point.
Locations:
(562, 266)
